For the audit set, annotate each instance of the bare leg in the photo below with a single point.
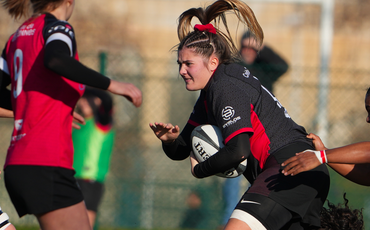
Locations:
(72, 217)
(92, 217)
(236, 224)
(10, 227)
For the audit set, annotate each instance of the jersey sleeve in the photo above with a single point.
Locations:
(60, 56)
(199, 113)
(5, 96)
(3, 64)
(60, 31)
(231, 107)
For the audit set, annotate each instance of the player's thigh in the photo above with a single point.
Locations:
(72, 217)
(261, 212)
(236, 224)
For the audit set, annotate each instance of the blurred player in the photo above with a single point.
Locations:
(93, 145)
(40, 61)
(351, 161)
(254, 125)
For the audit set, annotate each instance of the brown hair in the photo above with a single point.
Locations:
(20, 8)
(206, 43)
(341, 216)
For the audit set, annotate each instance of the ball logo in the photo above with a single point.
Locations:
(200, 149)
(227, 113)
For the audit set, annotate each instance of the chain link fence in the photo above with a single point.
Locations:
(147, 190)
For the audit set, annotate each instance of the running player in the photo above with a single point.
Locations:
(254, 125)
(351, 161)
(40, 61)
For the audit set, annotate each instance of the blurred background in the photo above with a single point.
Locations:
(325, 43)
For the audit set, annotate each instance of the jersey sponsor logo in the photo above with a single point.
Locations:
(18, 124)
(246, 73)
(25, 30)
(17, 137)
(231, 122)
(227, 113)
(62, 28)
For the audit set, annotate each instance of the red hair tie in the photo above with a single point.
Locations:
(209, 27)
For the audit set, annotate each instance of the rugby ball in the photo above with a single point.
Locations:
(207, 140)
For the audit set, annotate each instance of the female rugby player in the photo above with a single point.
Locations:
(40, 61)
(255, 126)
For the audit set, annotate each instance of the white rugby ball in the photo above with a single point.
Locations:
(207, 140)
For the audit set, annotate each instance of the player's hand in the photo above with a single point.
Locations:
(193, 162)
(165, 132)
(317, 142)
(128, 90)
(77, 118)
(302, 162)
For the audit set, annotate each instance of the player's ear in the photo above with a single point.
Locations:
(213, 63)
(70, 2)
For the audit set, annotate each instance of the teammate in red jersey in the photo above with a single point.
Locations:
(254, 126)
(40, 61)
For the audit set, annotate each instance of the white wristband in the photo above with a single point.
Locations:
(321, 156)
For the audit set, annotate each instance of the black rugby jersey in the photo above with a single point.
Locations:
(236, 102)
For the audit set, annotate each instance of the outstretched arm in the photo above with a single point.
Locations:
(173, 143)
(59, 60)
(351, 161)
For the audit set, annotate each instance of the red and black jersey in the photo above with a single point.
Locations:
(236, 102)
(42, 100)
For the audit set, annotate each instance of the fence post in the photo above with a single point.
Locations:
(103, 62)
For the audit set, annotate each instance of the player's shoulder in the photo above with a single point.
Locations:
(234, 74)
(54, 25)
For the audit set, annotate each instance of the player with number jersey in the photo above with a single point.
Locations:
(40, 62)
(254, 125)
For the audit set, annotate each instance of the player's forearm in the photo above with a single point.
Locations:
(353, 172)
(352, 154)
(234, 152)
(6, 113)
(58, 59)
(177, 150)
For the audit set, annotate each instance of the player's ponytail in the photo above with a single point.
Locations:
(204, 41)
(20, 8)
(16, 8)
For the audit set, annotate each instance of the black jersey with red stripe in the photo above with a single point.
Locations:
(236, 102)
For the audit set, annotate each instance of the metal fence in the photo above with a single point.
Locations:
(145, 189)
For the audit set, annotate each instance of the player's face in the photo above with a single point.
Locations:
(195, 69)
(249, 50)
(71, 6)
(367, 106)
